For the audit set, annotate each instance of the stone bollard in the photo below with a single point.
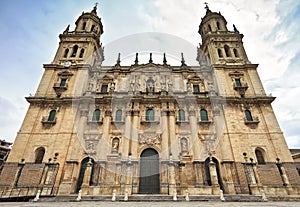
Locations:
(114, 195)
(222, 195)
(263, 195)
(174, 195)
(79, 196)
(126, 195)
(37, 197)
(187, 197)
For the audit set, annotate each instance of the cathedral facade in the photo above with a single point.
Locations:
(150, 128)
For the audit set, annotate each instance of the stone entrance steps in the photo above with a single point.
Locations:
(154, 198)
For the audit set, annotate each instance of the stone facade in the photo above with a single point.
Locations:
(150, 128)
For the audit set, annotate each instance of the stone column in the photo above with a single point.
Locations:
(172, 133)
(172, 182)
(251, 179)
(214, 178)
(164, 136)
(229, 183)
(284, 177)
(164, 177)
(194, 135)
(128, 181)
(117, 174)
(87, 177)
(198, 172)
(102, 173)
(18, 174)
(134, 134)
(106, 142)
(127, 131)
(82, 124)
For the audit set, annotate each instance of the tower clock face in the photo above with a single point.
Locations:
(67, 64)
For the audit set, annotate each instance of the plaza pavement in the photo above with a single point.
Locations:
(149, 204)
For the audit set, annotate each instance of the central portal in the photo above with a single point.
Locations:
(149, 172)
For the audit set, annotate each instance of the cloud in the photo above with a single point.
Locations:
(11, 118)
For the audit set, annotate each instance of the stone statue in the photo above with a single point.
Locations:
(115, 145)
(184, 145)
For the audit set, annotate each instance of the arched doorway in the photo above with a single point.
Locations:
(207, 173)
(84, 163)
(149, 172)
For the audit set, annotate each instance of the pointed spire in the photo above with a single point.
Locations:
(165, 59)
(150, 60)
(235, 29)
(118, 60)
(67, 29)
(136, 62)
(182, 60)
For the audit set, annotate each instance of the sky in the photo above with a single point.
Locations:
(29, 38)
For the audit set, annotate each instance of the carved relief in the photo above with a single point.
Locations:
(91, 141)
(150, 139)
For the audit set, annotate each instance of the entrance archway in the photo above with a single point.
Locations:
(149, 172)
(84, 163)
(207, 173)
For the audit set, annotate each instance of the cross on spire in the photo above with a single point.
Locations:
(95, 8)
(206, 6)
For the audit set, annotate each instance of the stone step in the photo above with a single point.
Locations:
(154, 198)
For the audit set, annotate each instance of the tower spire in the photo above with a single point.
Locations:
(95, 8)
(206, 7)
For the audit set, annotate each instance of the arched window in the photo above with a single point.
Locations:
(248, 115)
(75, 48)
(181, 115)
(119, 115)
(84, 164)
(220, 53)
(96, 115)
(81, 53)
(39, 154)
(51, 116)
(92, 28)
(209, 28)
(218, 25)
(259, 156)
(227, 51)
(83, 25)
(66, 52)
(150, 115)
(236, 54)
(203, 115)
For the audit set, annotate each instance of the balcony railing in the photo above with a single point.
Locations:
(58, 85)
(96, 121)
(255, 120)
(121, 121)
(45, 120)
(150, 119)
(204, 121)
(240, 86)
(178, 121)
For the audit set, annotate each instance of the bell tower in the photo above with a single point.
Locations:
(218, 43)
(81, 46)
